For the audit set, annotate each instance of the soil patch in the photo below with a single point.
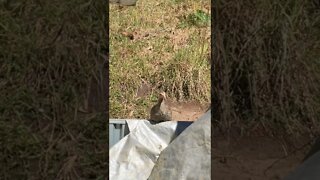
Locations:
(188, 111)
(256, 157)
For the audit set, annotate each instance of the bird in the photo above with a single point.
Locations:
(161, 111)
(124, 2)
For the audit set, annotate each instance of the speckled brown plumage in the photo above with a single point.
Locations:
(161, 111)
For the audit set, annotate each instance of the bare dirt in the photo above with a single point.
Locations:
(256, 157)
(187, 111)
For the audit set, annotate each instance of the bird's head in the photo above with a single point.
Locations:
(162, 96)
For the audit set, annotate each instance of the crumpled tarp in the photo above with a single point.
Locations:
(135, 155)
(187, 156)
(308, 170)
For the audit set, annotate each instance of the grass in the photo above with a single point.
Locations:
(49, 53)
(268, 71)
(158, 46)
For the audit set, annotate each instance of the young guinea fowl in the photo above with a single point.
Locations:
(161, 111)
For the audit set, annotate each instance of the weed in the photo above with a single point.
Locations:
(198, 19)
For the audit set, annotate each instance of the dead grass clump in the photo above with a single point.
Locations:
(266, 72)
(49, 53)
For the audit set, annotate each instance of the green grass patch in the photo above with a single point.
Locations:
(198, 19)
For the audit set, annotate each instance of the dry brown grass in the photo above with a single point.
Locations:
(266, 73)
(158, 46)
(49, 53)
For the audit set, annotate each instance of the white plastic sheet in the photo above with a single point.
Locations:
(188, 156)
(135, 155)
